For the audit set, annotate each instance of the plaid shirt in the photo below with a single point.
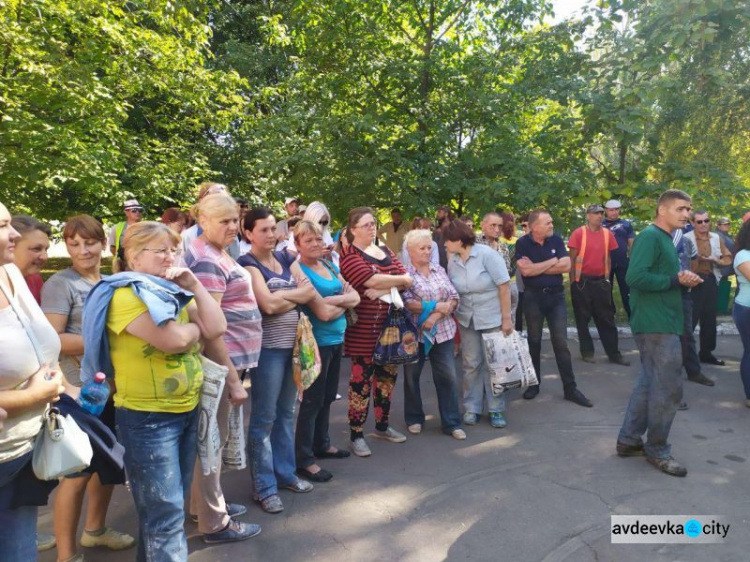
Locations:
(436, 287)
(502, 248)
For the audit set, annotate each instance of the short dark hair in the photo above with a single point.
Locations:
(535, 214)
(742, 242)
(458, 231)
(698, 212)
(524, 218)
(396, 210)
(24, 224)
(670, 195)
(86, 226)
(255, 215)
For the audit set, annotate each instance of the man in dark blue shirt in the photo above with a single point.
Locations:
(542, 259)
(624, 234)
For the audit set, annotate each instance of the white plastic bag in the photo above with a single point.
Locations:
(61, 447)
(509, 361)
(234, 455)
(209, 439)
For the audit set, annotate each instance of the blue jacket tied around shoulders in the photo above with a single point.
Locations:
(163, 298)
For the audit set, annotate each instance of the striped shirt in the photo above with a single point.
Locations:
(279, 330)
(219, 273)
(357, 267)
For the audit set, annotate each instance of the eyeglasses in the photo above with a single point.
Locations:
(367, 225)
(704, 221)
(323, 223)
(162, 252)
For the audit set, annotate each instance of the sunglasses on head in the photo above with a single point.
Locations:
(703, 221)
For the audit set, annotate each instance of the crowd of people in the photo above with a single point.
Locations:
(230, 284)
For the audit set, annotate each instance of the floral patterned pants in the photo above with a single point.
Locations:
(367, 378)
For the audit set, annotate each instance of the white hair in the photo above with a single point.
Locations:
(414, 236)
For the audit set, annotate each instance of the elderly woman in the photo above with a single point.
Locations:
(280, 287)
(63, 296)
(417, 224)
(479, 274)
(372, 270)
(326, 313)
(29, 381)
(231, 286)
(741, 309)
(31, 251)
(432, 299)
(154, 352)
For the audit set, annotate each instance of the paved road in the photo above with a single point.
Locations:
(541, 490)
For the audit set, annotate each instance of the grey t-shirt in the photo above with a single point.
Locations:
(64, 293)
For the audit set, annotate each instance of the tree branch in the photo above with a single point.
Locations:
(455, 19)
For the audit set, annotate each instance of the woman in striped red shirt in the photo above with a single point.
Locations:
(372, 270)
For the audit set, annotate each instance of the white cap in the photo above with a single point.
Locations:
(612, 204)
(132, 204)
(290, 200)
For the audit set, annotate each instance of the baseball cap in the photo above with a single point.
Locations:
(131, 204)
(612, 204)
(596, 208)
(302, 209)
(290, 200)
(723, 220)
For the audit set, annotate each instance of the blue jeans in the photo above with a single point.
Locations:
(17, 525)
(444, 376)
(315, 409)
(160, 450)
(538, 306)
(741, 315)
(270, 440)
(477, 383)
(656, 395)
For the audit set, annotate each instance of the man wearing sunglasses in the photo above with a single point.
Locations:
(712, 255)
(133, 214)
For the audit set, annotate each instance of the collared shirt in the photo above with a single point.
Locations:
(498, 245)
(477, 281)
(552, 247)
(704, 249)
(623, 231)
(392, 236)
(436, 287)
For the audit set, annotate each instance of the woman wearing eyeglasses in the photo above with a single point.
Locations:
(144, 325)
(372, 270)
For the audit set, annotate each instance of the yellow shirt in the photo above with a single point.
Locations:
(146, 378)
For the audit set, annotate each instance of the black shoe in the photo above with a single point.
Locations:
(531, 392)
(588, 359)
(668, 466)
(339, 454)
(711, 360)
(578, 397)
(624, 450)
(701, 379)
(620, 360)
(321, 476)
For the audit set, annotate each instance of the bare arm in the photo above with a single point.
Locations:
(268, 302)
(216, 350)
(39, 391)
(505, 306)
(562, 266)
(171, 337)
(573, 253)
(205, 312)
(383, 281)
(531, 269)
(72, 344)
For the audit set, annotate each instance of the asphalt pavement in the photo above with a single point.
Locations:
(541, 490)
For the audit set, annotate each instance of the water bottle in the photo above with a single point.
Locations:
(94, 395)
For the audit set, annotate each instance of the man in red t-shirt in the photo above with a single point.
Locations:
(590, 247)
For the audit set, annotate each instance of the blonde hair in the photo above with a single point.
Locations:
(303, 227)
(413, 236)
(203, 191)
(216, 205)
(137, 237)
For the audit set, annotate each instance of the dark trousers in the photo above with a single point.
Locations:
(539, 306)
(704, 313)
(619, 271)
(593, 298)
(689, 352)
(519, 312)
(315, 409)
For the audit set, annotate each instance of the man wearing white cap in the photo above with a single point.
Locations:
(291, 206)
(133, 214)
(624, 234)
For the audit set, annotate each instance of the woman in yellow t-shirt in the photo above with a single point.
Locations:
(158, 379)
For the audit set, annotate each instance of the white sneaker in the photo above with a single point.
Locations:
(359, 447)
(459, 434)
(391, 435)
(415, 428)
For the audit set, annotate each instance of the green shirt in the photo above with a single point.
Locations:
(655, 294)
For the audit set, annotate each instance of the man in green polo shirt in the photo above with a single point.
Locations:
(655, 278)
